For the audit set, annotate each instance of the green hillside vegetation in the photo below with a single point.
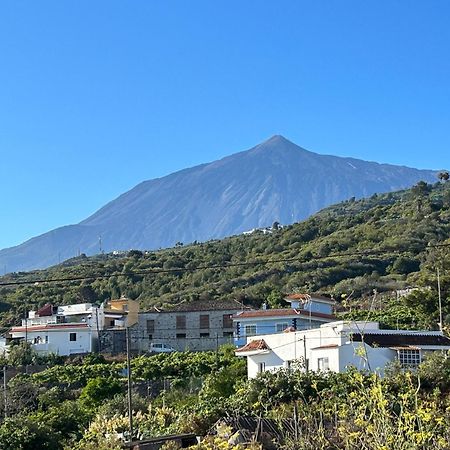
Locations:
(383, 243)
(83, 404)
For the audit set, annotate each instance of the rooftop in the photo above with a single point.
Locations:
(252, 346)
(306, 297)
(286, 312)
(49, 327)
(400, 339)
(201, 305)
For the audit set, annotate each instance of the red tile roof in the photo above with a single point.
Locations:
(282, 313)
(255, 345)
(48, 327)
(46, 310)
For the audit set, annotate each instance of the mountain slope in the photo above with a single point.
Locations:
(274, 181)
(386, 242)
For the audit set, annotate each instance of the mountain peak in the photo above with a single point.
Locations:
(278, 139)
(277, 144)
(274, 181)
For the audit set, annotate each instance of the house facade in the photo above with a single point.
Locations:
(71, 329)
(195, 326)
(306, 312)
(336, 346)
(60, 338)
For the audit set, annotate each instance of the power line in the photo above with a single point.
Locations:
(367, 253)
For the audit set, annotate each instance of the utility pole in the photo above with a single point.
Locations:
(130, 406)
(5, 398)
(217, 351)
(304, 353)
(440, 300)
(99, 345)
(26, 326)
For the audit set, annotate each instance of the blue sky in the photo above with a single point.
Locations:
(96, 96)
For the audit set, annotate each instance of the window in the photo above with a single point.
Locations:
(181, 322)
(204, 335)
(181, 335)
(46, 339)
(112, 323)
(282, 326)
(409, 358)
(150, 326)
(72, 337)
(227, 321)
(250, 330)
(150, 337)
(227, 333)
(261, 367)
(204, 321)
(323, 364)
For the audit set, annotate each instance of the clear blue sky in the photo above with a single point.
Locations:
(96, 96)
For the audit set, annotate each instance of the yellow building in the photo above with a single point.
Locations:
(129, 308)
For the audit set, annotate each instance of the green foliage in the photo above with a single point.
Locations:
(99, 389)
(24, 433)
(21, 354)
(348, 410)
(435, 371)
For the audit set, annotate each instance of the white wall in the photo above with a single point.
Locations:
(331, 341)
(59, 341)
(318, 343)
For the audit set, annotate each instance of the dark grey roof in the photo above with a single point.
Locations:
(395, 340)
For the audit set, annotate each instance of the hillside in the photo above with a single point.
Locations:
(274, 181)
(386, 242)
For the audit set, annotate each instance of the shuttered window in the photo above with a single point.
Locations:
(181, 322)
(227, 321)
(150, 326)
(204, 321)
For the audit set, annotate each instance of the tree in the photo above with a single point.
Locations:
(99, 389)
(21, 354)
(443, 176)
(421, 189)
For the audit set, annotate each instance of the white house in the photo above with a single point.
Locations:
(71, 329)
(338, 345)
(59, 338)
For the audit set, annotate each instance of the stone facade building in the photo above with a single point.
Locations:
(195, 326)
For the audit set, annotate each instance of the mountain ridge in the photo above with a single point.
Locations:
(275, 180)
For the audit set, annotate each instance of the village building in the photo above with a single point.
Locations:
(196, 326)
(306, 312)
(73, 329)
(336, 346)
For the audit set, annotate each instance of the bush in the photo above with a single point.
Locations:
(99, 389)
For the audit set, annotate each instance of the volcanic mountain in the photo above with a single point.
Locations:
(275, 181)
